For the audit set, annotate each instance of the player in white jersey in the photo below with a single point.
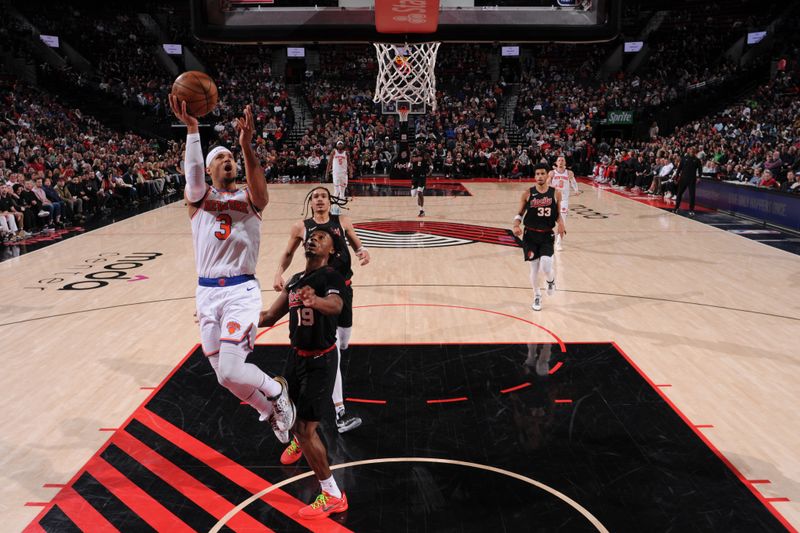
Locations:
(562, 180)
(340, 166)
(226, 230)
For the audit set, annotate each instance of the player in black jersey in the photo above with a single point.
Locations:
(313, 299)
(420, 166)
(319, 199)
(539, 213)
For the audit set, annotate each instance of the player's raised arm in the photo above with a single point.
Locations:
(523, 206)
(295, 240)
(254, 173)
(193, 165)
(355, 242)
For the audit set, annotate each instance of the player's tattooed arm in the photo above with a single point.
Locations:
(355, 242)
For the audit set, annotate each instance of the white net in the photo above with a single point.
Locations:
(406, 72)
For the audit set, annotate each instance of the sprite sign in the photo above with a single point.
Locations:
(618, 117)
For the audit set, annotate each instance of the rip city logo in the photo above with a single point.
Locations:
(96, 272)
(417, 234)
(588, 212)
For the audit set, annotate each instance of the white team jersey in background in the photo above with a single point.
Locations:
(339, 163)
(560, 182)
(226, 231)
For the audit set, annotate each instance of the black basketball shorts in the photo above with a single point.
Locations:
(536, 244)
(311, 383)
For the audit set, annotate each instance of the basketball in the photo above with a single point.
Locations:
(198, 90)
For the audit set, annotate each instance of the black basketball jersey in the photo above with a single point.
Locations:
(310, 330)
(341, 260)
(542, 210)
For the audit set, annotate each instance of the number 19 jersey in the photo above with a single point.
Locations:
(226, 230)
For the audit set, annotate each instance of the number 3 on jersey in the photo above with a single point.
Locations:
(543, 212)
(224, 231)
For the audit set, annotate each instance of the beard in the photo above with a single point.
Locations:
(228, 179)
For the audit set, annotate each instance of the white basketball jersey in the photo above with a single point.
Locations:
(339, 163)
(226, 231)
(560, 181)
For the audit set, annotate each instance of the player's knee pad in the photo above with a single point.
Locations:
(547, 264)
(343, 337)
(232, 371)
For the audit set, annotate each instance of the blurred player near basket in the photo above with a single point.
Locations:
(562, 180)
(226, 230)
(340, 166)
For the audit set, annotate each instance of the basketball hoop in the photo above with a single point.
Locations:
(406, 72)
(403, 112)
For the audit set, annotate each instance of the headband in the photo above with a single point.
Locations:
(213, 153)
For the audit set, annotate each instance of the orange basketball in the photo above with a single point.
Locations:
(198, 90)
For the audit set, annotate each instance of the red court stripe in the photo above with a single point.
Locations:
(555, 368)
(701, 426)
(280, 500)
(564, 401)
(210, 501)
(364, 400)
(82, 513)
(147, 388)
(518, 387)
(771, 508)
(107, 429)
(141, 503)
(759, 481)
(664, 385)
(54, 485)
(102, 448)
(34, 527)
(448, 400)
(37, 504)
(778, 500)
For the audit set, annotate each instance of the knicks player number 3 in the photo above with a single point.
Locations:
(224, 231)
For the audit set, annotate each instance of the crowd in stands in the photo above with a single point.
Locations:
(59, 167)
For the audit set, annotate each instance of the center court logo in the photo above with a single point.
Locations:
(416, 234)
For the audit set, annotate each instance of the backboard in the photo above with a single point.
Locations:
(356, 21)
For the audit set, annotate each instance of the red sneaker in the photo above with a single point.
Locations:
(324, 506)
(292, 453)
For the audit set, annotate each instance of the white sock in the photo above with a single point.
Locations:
(547, 267)
(329, 486)
(338, 394)
(343, 337)
(534, 275)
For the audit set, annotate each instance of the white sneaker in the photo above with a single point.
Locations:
(551, 287)
(537, 303)
(345, 422)
(283, 410)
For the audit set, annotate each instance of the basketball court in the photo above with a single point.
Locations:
(656, 389)
(669, 390)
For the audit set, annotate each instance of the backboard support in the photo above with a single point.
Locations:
(354, 21)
